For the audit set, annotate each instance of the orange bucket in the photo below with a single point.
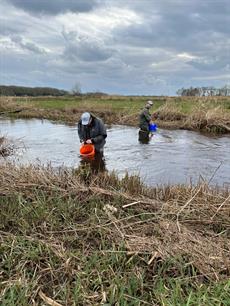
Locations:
(87, 150)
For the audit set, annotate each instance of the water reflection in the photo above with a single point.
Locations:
(96, 164)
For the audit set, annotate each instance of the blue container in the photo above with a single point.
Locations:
(152, 127)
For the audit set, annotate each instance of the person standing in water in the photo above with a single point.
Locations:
(144, 121)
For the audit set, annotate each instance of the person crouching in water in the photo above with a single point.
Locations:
(91, 130)
(144, 121)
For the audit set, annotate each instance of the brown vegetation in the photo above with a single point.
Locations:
(214, 120)
(201, 117)
(169, 221)
(95, 237)
(7, 147)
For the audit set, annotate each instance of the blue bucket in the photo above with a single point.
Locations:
(152, 127)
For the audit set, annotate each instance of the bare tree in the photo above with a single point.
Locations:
(204, 91)
(76, 90)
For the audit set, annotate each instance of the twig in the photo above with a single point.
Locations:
(48, 300)
(215, 172)
(152, 258)
(130, 204)
(183, 207)
(225, 201)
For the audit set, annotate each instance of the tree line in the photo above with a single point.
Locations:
(30, 91)
(21, 91)
(204, 91)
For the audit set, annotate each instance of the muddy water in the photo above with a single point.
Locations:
(170, 157)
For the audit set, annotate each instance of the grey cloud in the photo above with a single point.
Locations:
(53, 7)
(16, 63)
(30, 46)
(138, 58)
(198, 28)
(7, 29)
(85, 48)
(211, 63)
(176, 24)
(171, 7)
(112, 69)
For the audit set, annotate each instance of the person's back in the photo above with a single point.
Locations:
(92, 130)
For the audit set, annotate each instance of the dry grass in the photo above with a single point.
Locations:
(172, 220)
(169, 112)
(7, 147)
(213, 120)
(201, 117)
(60, 228)
(9, 105)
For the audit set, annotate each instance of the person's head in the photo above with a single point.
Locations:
(149, 104)
(86, 118)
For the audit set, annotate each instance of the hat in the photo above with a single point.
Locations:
(150, 102)
(85, 118)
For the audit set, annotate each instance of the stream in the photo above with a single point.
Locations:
(170, 157)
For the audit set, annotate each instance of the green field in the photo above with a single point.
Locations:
(121, 103)
(208, 114)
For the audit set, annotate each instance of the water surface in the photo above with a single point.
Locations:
(172, 156)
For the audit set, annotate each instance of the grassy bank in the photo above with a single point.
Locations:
(69, 238)
(209, 114)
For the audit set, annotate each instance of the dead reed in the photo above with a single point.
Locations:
(201, 115)
(211, 120)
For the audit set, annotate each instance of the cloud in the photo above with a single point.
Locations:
(85, 48)
(177, 24)
(7, 29)
(225, 77)
(54, 7)
(211, 63)
(27, 45)
(137, 47)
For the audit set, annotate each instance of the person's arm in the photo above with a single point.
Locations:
(102, 133)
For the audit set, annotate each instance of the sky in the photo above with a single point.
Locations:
(130, 47)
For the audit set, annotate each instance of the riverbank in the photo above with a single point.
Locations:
(206, 114)
(76, 239)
